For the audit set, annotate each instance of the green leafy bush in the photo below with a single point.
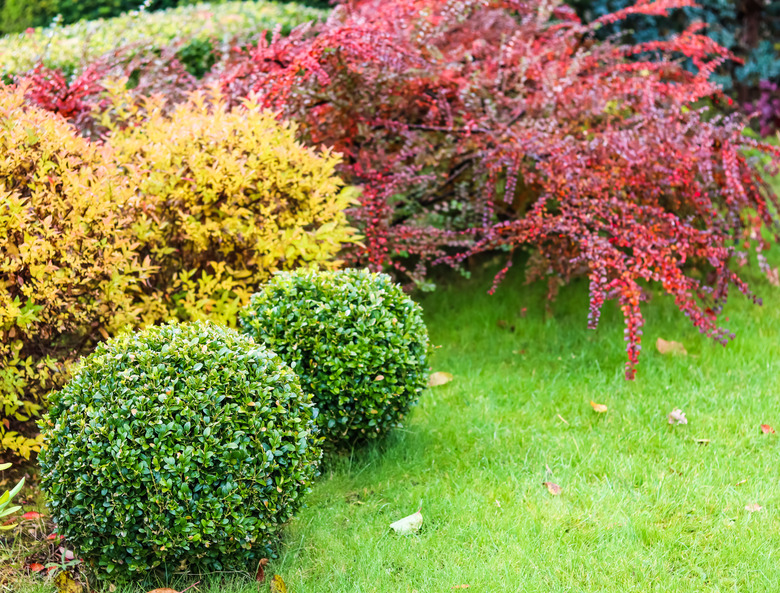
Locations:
(179, 445)
(357, 342)
(18, 15)
(5, 501)
(191, 26)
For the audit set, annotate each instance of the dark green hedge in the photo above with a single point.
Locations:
(180, 444)
(357, 342)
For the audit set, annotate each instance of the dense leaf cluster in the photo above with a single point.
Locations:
(181, 215)
(193, 35)
(505, 124)
(180, 447)
(749, 29)
(357, 342)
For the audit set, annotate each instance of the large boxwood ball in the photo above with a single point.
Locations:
(357, 342)
(179, 447)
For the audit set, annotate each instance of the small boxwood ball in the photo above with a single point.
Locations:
(357, 342)
(181, 446)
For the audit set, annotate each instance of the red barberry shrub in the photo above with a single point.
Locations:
(478, 125)
(81, 97)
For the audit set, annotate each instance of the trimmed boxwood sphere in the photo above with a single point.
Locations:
(182, 446)
(357, 342)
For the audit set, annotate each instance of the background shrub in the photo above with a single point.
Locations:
(357, 342)
(183, 445)
(188, 28)
(181, 215)
(749, 29)
(227, 197)
(67, 265)
(509, 126)
(18, 15)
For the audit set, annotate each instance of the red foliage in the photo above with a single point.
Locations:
(493, 124)
(80, 98)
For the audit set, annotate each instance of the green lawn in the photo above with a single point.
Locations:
(644, 506)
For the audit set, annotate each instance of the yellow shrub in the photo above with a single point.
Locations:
(227, 196)
(180, 214)
(67, 266)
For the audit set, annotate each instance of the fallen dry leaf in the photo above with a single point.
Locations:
(407, 525)
(753, 508)
(741, 482)
(439, 378)
(31, 515)
(174, 590)
(260, 574)
(277, 585)
(702, 441)
(677, 416)
(600, 408)
(773, 275)
(766, 429)
(553, 488)
(665, 347)
(66, 584)
(37, 567)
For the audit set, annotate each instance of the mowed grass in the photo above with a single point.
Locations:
(645, 506)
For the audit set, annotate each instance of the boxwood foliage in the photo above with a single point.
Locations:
(357, 342)
(182, 446)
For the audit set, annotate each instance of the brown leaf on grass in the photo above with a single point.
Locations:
(260, 574)
(553, 488)
(277, 585)
(753, 508)
(677, 416)
(439, 378)
(600, 408)
(766, 429)
(36, 567)
(670, 347)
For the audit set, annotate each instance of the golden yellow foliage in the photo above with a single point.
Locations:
(227, 196)
(66, 264)
(182, 213)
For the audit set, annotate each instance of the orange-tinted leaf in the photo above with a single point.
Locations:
(37, 567)
(439, 378)
(163, 591)
(773, 276)
(766, 429)
(665, 347)
(553, 488)
(600, 408)
(31, 515)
